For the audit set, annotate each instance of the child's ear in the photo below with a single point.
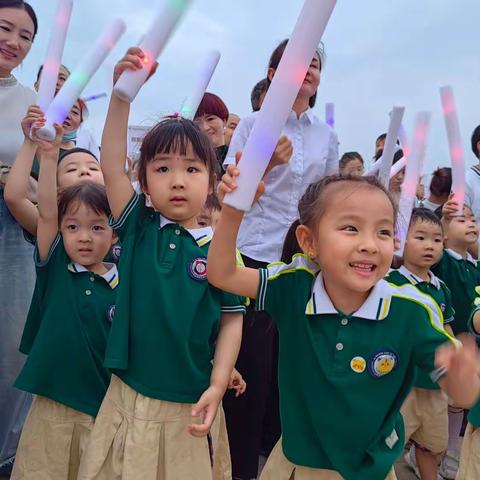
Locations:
(306, 241)
(114, 238)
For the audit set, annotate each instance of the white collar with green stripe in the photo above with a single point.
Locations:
(111, 277)
(375, 307)
(201, 235)
(414, 279)
(457, 256)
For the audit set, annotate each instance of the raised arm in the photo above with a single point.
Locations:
(18, 183)
(222, 269)
(48, 227)
(114, 140)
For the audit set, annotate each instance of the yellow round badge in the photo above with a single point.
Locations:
(358, 364)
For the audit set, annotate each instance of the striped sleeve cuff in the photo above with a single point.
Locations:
(262, 290)
(234, 309)
(118, 223)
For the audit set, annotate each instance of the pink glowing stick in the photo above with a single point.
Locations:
(402, 163)
(412, 174)
(51, 65)
(279, 99)
(330, 114)
(163, 25)
(455, 145)
(61, 105)
(204, 75)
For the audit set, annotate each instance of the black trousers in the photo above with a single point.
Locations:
(253, 419)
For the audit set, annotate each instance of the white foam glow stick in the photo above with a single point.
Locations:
(163, 25)
(51, 65)
(61, 105)
(389, 148)
(204, 75)
(402, 163)
(412, 174)
(455, 144)
(279, 100)
(330, 114)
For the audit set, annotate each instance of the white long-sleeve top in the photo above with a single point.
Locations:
(315, 155)
(472, 190)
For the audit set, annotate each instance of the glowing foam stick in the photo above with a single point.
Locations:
(455, 145)
(330, 114)
(97, 96)
(279, 99)
(205, 72)
(129, 84)
(61, 105)
(412, 174)
(390, 145)
(51, 65)
(402, 163)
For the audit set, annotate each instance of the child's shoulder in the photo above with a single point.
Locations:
(300, 265)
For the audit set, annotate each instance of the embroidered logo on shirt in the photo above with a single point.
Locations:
(110, 313)
(358, 364)
(116, 251)
(197, 269)
(382, 363)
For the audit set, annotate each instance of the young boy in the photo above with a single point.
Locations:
(425, 411)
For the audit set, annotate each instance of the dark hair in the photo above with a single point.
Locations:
(277, 56)
(90, 194)
(213, 203)
(398, 155)
(475, 140)
(290, 244)
(424, 215)
(348, 157)
(310, 205)
(40, 70)
(259, 89)
(174, 134)
(21, 5)
(212, 104)
(441, 183)
(66, 153)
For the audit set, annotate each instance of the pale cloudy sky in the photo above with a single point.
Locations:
(379, 53)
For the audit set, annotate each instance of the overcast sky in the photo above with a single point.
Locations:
(379, 53)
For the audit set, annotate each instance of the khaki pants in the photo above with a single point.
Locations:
(278, 467)
(138, 437)
(425, 415)
(470, 455)
(222, 465)
(53, 441)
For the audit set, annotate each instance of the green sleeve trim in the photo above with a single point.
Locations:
(118, 223)
(36, 258)
(262, 289)
(234, 309)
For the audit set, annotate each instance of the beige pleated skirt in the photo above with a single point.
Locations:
(278, 467)
(53, 440)
(138, 437)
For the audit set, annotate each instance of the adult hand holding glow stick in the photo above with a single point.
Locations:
(396, 117)
(455, 145)
(330, 114)
(61, 105)
(412, 174)
(205, 72)
(51, 65)
(279, 100)
(130, 82)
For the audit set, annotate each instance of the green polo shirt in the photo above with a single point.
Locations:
(340, 397)
(66, 332)
(167, 316)
(461, 277)
(440, 294)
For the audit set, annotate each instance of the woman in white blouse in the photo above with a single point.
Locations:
(312, 154)
(18, 27)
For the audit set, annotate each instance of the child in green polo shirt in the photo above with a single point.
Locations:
(425, 411)
(169, 321)
(66, 331)
(350, 342)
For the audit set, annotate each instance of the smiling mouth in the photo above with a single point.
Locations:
(8, 54)
(363, 268)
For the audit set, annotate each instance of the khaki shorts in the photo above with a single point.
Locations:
(222, 465)
(53, 441)
(278, 467)
(425, 415)
(470, 455)
(138, 437)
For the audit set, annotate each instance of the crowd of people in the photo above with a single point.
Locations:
(307, 343)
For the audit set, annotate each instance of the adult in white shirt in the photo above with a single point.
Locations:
(472, 178)
(314, 154)
(18, 27)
